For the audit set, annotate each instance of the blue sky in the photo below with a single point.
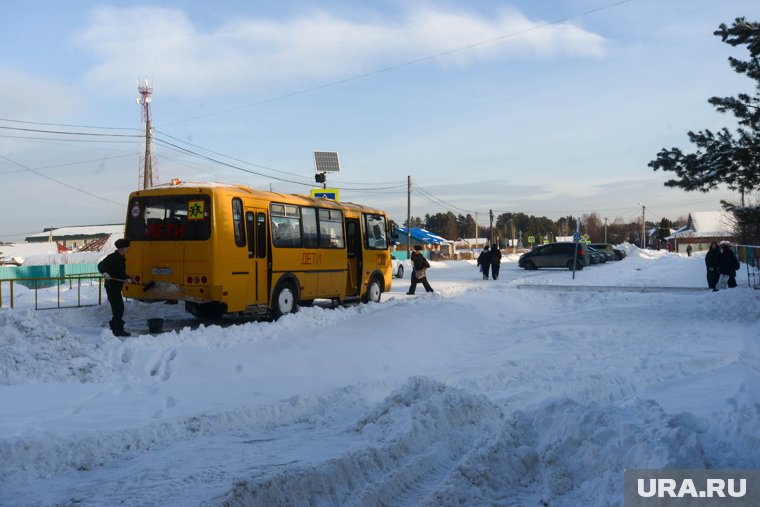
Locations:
(529, 113)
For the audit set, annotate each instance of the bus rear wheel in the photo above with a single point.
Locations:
(284, 300)
(374, 290)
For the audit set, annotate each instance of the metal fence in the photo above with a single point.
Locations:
(8, 290)
(750, 256)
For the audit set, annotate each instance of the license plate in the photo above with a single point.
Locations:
(162, 271)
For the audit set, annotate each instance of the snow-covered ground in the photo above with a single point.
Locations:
(529, 390)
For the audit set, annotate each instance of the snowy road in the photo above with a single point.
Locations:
(485, 393)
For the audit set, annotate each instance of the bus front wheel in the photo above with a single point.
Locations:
(374, 290)
(284, 300)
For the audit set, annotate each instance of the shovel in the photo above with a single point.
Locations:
(145, 286)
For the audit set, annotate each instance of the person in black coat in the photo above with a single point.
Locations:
(728, 263)
(114, 269)
(484, 261)
(420, 264)
(495, 256)
(712, 262)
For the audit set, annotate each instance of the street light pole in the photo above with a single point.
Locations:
(643, 226)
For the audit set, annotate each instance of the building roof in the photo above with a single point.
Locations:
(422, 235)
(80, 231)
(16, 253)
(708, 224)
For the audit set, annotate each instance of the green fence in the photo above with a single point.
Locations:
(45, 277)
(55, 274)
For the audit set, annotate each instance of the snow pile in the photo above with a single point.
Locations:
(483, 393)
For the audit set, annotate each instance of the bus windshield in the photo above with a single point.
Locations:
(169, 218)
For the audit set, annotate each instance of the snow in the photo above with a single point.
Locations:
(519, 391)
(82, 230)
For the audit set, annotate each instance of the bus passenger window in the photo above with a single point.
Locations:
(261, 236)
(331, 228)
(249, 226)
(286, 225)
(237, 221)
(309, 223)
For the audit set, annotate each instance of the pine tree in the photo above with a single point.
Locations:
(724, 157)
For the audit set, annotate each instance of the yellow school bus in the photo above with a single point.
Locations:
(232, 249)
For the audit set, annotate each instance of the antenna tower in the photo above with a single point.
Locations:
(147, 177)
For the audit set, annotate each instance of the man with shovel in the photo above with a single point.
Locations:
(114, 269)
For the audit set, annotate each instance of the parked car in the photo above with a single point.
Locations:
(618, 254)
(555, 255)
(397, 267)
(600, 255)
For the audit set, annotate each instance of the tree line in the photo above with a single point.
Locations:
(515, 225)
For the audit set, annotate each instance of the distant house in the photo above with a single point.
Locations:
(429, 242)
(704, 227)
(77, 237)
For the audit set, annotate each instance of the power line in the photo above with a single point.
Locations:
(65, 132)
(60, 182)
(400, 65)
(68, 125)
(70, 163)
(238, 168)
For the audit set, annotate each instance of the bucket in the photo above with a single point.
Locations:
(156, 325)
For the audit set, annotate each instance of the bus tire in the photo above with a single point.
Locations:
(374, 291)
(284, 300)
(306, 303)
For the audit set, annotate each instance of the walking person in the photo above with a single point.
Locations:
(114, 269)
(728, 266)
(484, 261)
(495, 261)
(688, 251)
(712, 262)
(419, 275)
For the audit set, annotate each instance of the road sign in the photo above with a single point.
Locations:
(531, 239)
(577, 236)
(326, 193)
(585, 238)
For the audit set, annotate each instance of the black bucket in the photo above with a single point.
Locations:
(156, 325)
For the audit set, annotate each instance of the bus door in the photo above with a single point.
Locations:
(353, 246)
(258, 258)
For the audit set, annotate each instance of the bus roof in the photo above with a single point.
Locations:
(177, 186)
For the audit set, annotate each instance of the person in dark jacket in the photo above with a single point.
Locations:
(712, 262)
(114, 269)
(495, 261)
(419, 275)
(484, 261)
(728, 265)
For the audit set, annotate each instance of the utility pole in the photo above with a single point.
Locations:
(605, 229)
(490, 231)
(144, 100)
(409, 218)
(476, 227)
(643, 226)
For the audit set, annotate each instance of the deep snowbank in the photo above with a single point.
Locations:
(482, 393)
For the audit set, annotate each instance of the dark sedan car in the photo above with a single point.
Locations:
(555, 255)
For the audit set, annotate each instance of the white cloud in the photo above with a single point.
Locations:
(254, 53)
(27, 96)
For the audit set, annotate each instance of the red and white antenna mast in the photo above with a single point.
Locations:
(148, 177)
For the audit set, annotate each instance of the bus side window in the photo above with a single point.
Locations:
(261, 236)
(237, 221)
(249, 226)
